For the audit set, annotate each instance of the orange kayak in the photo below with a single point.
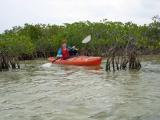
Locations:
(78, 60)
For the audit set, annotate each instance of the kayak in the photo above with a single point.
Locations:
(78, 60)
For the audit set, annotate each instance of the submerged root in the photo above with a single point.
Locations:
(7, 62)
(128, 60)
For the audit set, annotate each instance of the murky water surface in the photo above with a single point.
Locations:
(79, 93)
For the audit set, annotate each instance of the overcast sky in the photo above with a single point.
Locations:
(18, 12)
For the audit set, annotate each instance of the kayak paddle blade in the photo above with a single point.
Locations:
(87, 39)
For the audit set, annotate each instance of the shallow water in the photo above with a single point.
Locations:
(61, 92)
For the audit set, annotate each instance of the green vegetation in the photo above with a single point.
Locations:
(32, 41)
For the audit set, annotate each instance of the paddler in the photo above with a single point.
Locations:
(65, 52)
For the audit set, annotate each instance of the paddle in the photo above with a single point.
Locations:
(84, 41)
(55, 59)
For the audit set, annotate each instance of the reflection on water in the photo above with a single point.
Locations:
(62, 92)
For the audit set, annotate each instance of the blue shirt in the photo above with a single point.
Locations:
(59, 53)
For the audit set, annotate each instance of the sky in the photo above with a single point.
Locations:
(18, 12)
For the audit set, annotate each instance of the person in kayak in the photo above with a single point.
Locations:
(65, 52)
(51, 53)
(73, 51)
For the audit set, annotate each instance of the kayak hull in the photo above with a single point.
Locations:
(78, 60)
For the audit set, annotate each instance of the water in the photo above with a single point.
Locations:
(44, 92)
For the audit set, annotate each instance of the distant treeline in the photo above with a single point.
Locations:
(32, 41)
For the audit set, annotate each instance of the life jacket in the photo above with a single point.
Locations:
(65, 53)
